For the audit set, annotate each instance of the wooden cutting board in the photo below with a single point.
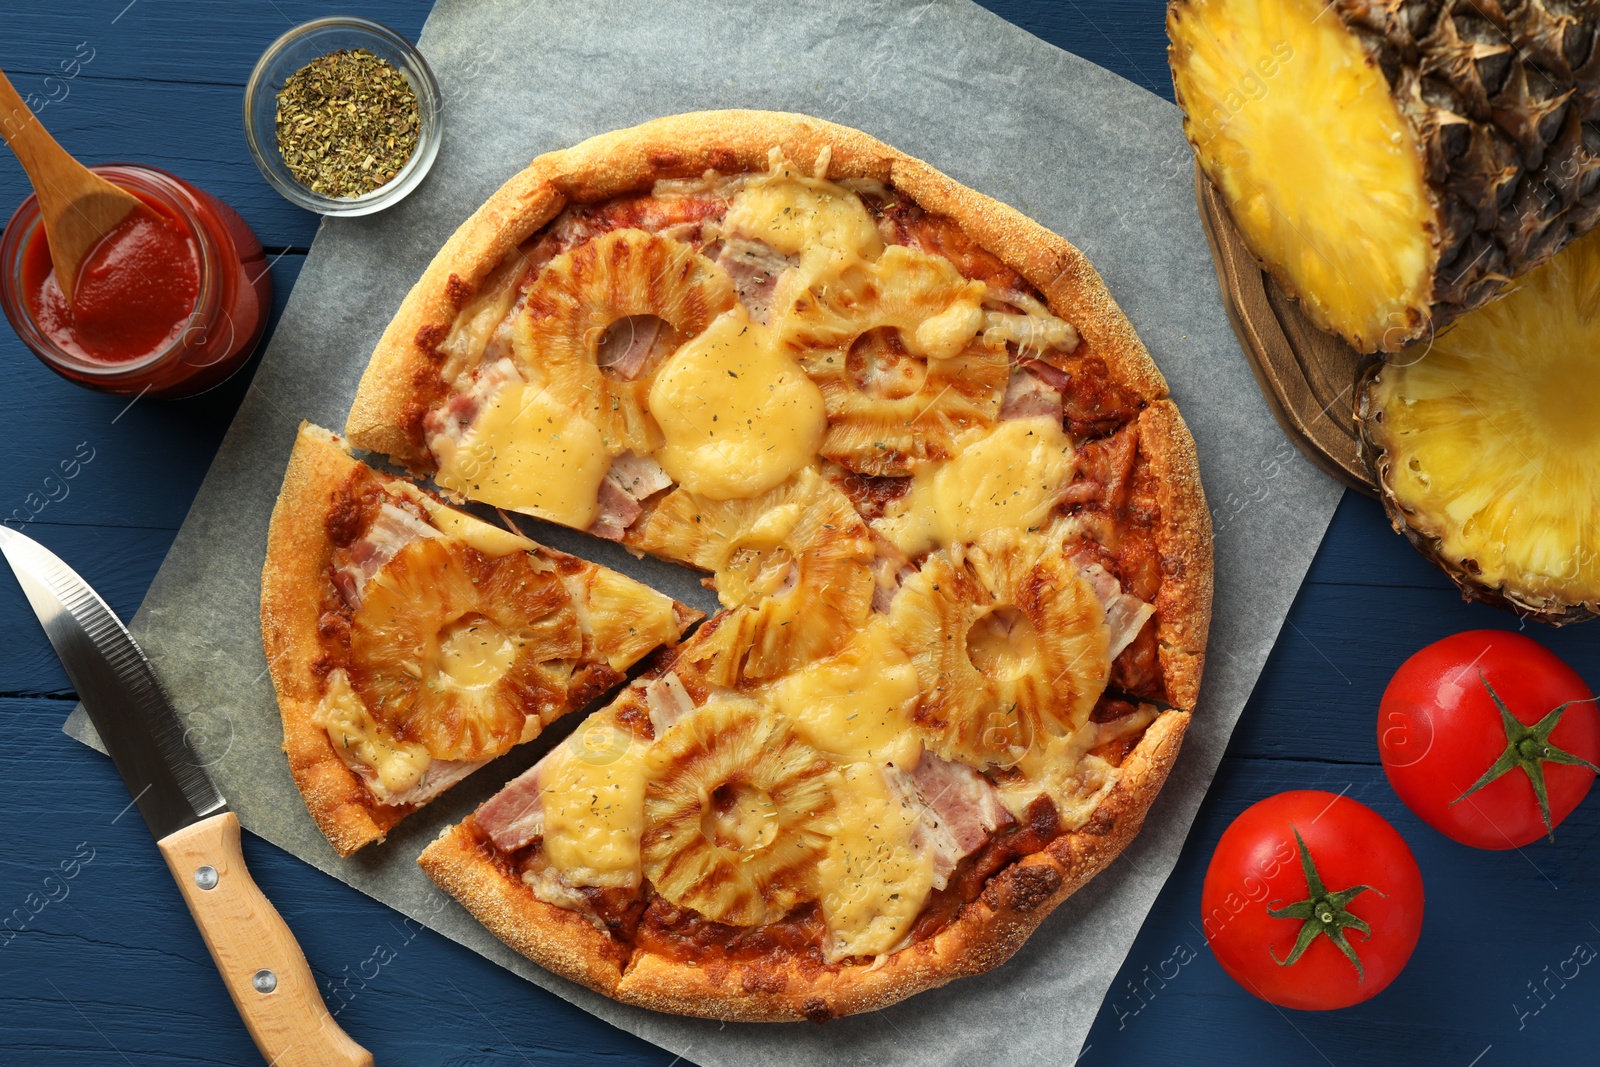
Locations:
(1308, 376)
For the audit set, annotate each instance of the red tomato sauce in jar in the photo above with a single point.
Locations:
(170, 303)
(136, 289)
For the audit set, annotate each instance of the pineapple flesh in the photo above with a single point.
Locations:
(1010, 643)
(465, 654)
(621, 275)
(1487, 444)
(738, 814)
(897, 348)
(792, 564)
(1392, 165)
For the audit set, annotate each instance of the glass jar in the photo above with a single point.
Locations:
(230, 310)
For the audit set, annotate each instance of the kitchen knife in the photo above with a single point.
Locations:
(260, 962)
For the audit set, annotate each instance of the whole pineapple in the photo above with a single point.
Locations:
(1010, 643)
(621, 275)
(464, 653)
(1393, 164)
(738, 813)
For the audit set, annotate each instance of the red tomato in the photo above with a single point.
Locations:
(1441, 732)
(1278, 932)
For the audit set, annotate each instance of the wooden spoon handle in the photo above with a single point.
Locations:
(260, 961)
(23, 131)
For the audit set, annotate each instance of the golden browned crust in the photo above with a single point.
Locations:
(293, 586)
(394, 387)
(1183, 540)
(298, 554)
(987, 933)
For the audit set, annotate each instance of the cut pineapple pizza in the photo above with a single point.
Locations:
(411, 643)
(954, 523)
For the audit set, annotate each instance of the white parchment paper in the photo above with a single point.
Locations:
(1086, 153)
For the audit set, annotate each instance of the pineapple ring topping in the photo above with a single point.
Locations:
(577, 299)
(1010, 643)
(794, 564)
(738, 813)
(460, 652)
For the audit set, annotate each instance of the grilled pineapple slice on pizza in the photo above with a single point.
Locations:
(625, 282)
(738, 813)
(1486, 443)
(895, 345)
(1393, 164)
(1010, 642)
(460, 651)
(793, 563)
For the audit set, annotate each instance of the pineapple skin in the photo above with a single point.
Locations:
(1496, 97)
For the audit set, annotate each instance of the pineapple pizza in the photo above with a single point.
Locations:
(953, 520)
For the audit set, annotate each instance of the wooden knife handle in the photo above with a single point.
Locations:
(260, 961)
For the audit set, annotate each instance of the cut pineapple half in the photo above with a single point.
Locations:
(460, 652)
(896, 347)
(738, 813)
(793, 563)
(1010, 643)
(1321, 172)
(621, 275)
(1487, 444)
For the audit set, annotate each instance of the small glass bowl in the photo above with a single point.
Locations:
(297, 48)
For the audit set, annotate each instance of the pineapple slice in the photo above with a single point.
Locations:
(738, 813)
(1392, 165)
(621, 275)
(1010, 642)
(897, 347)
(792, 563)
(461, 652)
(1487, 449)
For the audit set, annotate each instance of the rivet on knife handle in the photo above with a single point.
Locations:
(257, 955)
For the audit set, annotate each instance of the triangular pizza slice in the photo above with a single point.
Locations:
(411, 643)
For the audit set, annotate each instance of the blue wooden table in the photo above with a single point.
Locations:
(100, 964)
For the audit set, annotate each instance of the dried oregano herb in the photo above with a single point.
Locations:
(347, 123)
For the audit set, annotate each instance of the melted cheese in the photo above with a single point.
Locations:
(396, 766)
(797, 216)
(856, 704)
(738, 414)
(492, 541)
(1059, 769)
(593, 797)
(622, 618)
(873, 882)
(528, 453)
(1009, 478)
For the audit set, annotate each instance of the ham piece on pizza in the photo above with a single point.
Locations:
(954, 521)
(411, 643)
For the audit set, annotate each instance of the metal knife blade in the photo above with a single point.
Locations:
(114, 680)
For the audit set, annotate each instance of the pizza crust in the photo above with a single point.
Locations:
(987, 933)
(292, 580)
(386, 418)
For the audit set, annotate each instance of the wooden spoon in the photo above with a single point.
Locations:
(78, 206)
